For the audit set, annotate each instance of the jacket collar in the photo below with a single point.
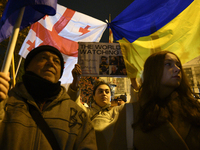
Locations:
(98, 108)
(21, 91)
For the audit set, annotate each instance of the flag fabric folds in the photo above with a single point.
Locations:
(34, 10)
(146, 27)
(143, 17)
(64, 31)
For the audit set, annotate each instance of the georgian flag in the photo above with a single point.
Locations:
(64, 31)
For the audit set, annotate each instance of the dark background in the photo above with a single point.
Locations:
(99, 9)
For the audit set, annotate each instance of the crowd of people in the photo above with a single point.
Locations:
(163, 112)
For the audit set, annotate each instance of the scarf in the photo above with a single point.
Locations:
(40, 88)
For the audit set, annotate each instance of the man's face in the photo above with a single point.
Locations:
(102, 95)
(46, 65)
(172, 72)
(114, 69)
(103, 60)
(124, 71)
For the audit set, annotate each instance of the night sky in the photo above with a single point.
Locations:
(99, 9)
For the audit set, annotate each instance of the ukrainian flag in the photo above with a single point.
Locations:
(148, 26)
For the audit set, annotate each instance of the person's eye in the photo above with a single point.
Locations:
(107, 91)
(178, 65)
(57, 61)
(100, 91)
(167, 64)
(43, 58)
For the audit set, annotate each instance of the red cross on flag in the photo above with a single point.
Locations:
(63, 31)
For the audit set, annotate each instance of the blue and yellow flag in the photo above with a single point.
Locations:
(34, 11)
(145, 27)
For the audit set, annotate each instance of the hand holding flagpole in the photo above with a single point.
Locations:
(11, 46)
(7, 22)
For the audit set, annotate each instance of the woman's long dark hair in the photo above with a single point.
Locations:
(155, 112)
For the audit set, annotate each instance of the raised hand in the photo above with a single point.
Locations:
(76, 73)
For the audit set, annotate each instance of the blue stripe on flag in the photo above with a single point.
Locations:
(34, 10)
(143, 17)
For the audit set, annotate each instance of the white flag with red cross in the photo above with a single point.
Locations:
(63, 31)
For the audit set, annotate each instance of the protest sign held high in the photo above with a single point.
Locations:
(101, 59)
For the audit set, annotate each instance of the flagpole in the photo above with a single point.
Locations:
(110, 40)
(13, 71)
(19, 63)
(110, 31)
(12, 43)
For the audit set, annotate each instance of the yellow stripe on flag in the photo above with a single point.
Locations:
(181, 36)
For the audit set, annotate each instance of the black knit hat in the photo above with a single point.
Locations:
(43, 48)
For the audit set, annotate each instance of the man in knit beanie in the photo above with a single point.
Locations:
(40, 92)
(44, 48)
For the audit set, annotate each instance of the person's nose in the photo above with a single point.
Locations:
(50, 62)
(177, 69)
(104, 93)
